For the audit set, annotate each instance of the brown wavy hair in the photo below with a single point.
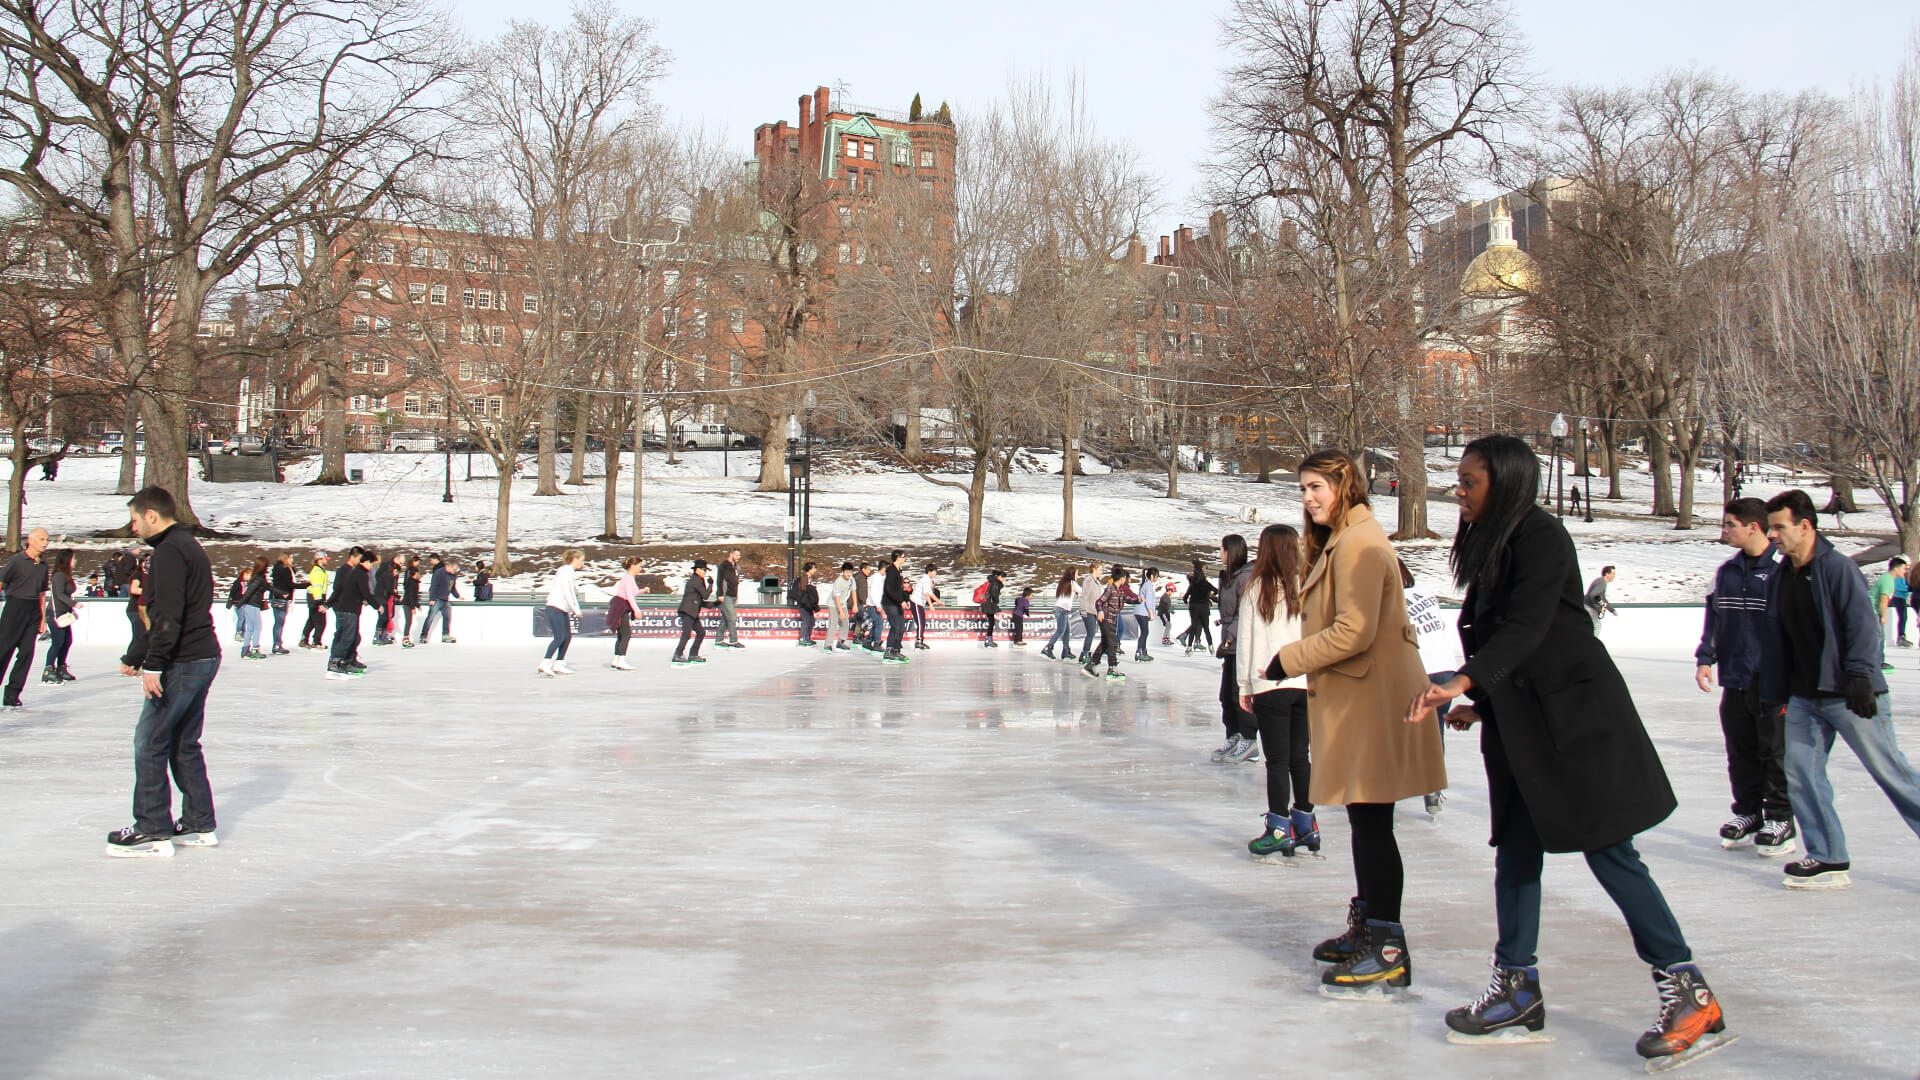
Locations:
(1349, 483)
(1277, 569)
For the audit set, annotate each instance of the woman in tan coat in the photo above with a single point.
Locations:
(1362, 662)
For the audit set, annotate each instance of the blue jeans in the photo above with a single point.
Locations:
(806, 626)
(1812, 724)
(1062, 630)
(441, 608)
(871, 614)
(279, 622)
(561, 624)
(167, 737)
(249, 628)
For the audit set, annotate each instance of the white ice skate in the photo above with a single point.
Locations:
(620, 664)
(560, 668)
(546, 669)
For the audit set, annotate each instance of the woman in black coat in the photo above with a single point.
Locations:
(1569, 764)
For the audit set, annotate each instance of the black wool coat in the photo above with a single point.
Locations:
(1562, 733)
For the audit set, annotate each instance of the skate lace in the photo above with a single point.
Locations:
(1669, 985)
(1494, 992)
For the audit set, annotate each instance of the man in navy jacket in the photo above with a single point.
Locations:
(1832, 649)
(1738, 637)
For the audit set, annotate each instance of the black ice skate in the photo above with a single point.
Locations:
(1814, 874)
(1739, 830)
(1510, 1012)
(131, 843)
(1775, 839)
(1690, 1024)
(1335, 950)
(1374, 974)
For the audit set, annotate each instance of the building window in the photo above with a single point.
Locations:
(846, 216)
(866, 151)
(471, 262)
(926, 159)
(700, 286)
(1197, 344)
(468, 298)
(866, 181)
(1140, 342)
(670, 322)
(846, 253)
(486, 299)
(417, 257)
(437, 295)
(469, 334)
(436, 406)
(736, 367)
(411, 406)
(466, 371)
(414, 332)
(860, 253)
(442, 259)
(1170, 309)
(926, 265)
(1201, 283)
(1173, 281)
(670, 281)
(387, 254)
(737, 321)
(926, 187)
(362, 323)
(379, 365)
(900, 153)
(494, 407)
(853, 147)
(1219, 314)
(496, 335)
(530, 304)
(1139, 309)
(1172, 342)
(416, 292)
(383, 326)
(438, 330)
(357, 403)
(359, 364)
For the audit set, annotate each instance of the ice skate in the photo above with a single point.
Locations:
(1248, 751)
(678, 660)
(1306, 834)
(1116, 675)
(1380, 971)
(1775, 839)
(560, 668)
(1228, 747)
(546, 669)
(50, 675)
(185, 837)
(131, 843)
(1047, 652)
(1511, 1012)
(696, 658)
(1739, 830)
(1091, 671)
(338, 672)
(1336, 949)
(1814, 874)
(406, 643)
(620, 664)
(1283, 844)
(1690, 1024)
(1435, 802)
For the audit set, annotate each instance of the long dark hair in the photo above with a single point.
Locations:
(1064, 587)
(1235, 546)
(63, 562)
(1513, 483)
(1276, 569)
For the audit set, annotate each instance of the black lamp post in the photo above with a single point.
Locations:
(1586, 500)
(1558, 429)
(793, 515)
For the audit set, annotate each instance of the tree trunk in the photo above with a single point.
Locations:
(1412, 471)
(333, 428)
(1689, 448)
(1611, 448)
(502, 503)
(1003, 471)
(129, 443)
(1907, 512)
(1069, 464)
(914, 395)
(971, 555)
(773, 455)
(1173, 456)
(610, 489)
(577, 468)
(167, 463)
(1660, 462)
(549, 483)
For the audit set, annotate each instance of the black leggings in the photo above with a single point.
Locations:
(1378, 874)
(1281, 716)
(690, 628)
(621, 635)
(1199, 621)
(408, 632)
(1237, 720)
(316, 627)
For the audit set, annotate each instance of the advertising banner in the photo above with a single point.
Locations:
(767, 623)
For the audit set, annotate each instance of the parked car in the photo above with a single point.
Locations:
(247, 444)
(465, 441)
(695, 436)
(412, 442)
(115, 442)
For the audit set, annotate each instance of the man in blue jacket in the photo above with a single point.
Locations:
(1738, 635)
(1833, 651)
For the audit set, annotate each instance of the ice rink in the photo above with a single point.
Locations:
(786, 864)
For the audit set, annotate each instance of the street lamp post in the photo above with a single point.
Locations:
(447, 495)
(681, 218)
(1558, 429)
(1587, 427)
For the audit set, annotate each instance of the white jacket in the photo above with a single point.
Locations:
(561, 591)
(1258, 640)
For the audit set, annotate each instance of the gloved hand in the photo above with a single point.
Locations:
(1276, 672)
(1860, 698)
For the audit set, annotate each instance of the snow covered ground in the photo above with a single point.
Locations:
(854, 503)
(980, 865)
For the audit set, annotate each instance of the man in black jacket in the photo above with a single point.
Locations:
(177, 663)
(807, 599)
(350, 588)
(386, 579)
(1830, 637)
(279, 597)
(990, 607)
(24, 580)
(728, 588)
(893, 599)
(692, 599)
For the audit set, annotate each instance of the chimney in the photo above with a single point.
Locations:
(805, 103)
(822, 104)
(1165, 251)
(1182, 243)
(1136, 250)
(1217, 226)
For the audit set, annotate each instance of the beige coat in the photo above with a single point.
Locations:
(1362, 661)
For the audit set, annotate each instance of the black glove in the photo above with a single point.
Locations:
(1860, 697)
(1276, 672)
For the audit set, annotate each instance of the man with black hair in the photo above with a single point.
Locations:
(351, 587)
(1739, 626)
(176, 662)
(24, 581)
(727, 588)
(893, 597)
(694, 597)
(1833, 655)
(806, 598)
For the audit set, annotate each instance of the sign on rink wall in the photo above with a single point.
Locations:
(769, 623)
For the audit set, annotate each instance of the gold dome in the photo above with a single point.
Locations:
(1500, 271)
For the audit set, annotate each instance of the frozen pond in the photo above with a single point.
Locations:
(980, 865)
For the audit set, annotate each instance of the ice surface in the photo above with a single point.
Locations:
(784, 863)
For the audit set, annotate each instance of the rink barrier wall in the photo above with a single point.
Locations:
(514, 622)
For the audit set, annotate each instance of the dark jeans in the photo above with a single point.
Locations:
(1516, 892)
(279, 622)
(1109, 645)
(444, 610)
(316, 627)
(1016, 626)
(874, 621)
(383, 618)
(993, 616)
(57, 648)
(920, 624)
(896, 626)
(167, 738)
(729, 622)
(407, 628)
(1756, 735)
(1091, 624)
(690, 628)
(346, 637)
(19, 634)
(137, 641)
(561, 625)
(1062, 631)
(806, 625)
(1379, 876)
(1899, 606)
(1237, 720)
(1281, 716)
(1199, 622)
(1143, 623)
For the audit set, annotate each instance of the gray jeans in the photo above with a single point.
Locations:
(729, 623)
(836, 625)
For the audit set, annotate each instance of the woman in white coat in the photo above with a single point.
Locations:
(1268, 620)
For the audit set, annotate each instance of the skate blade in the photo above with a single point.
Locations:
(162, 849)
(204, 839)
(1702, 1046)
(1775, 852)
(1369, 994)
(1824, 881)
(1729, 845)
(1513, 1036)
(1296, 860)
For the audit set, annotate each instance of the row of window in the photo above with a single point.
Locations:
(1196, 345)
(386, 253)
(1171, 310)
(864, 150)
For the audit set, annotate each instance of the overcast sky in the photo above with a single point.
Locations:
(1149, 74)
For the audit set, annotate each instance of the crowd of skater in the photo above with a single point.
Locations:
(1334, 667)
